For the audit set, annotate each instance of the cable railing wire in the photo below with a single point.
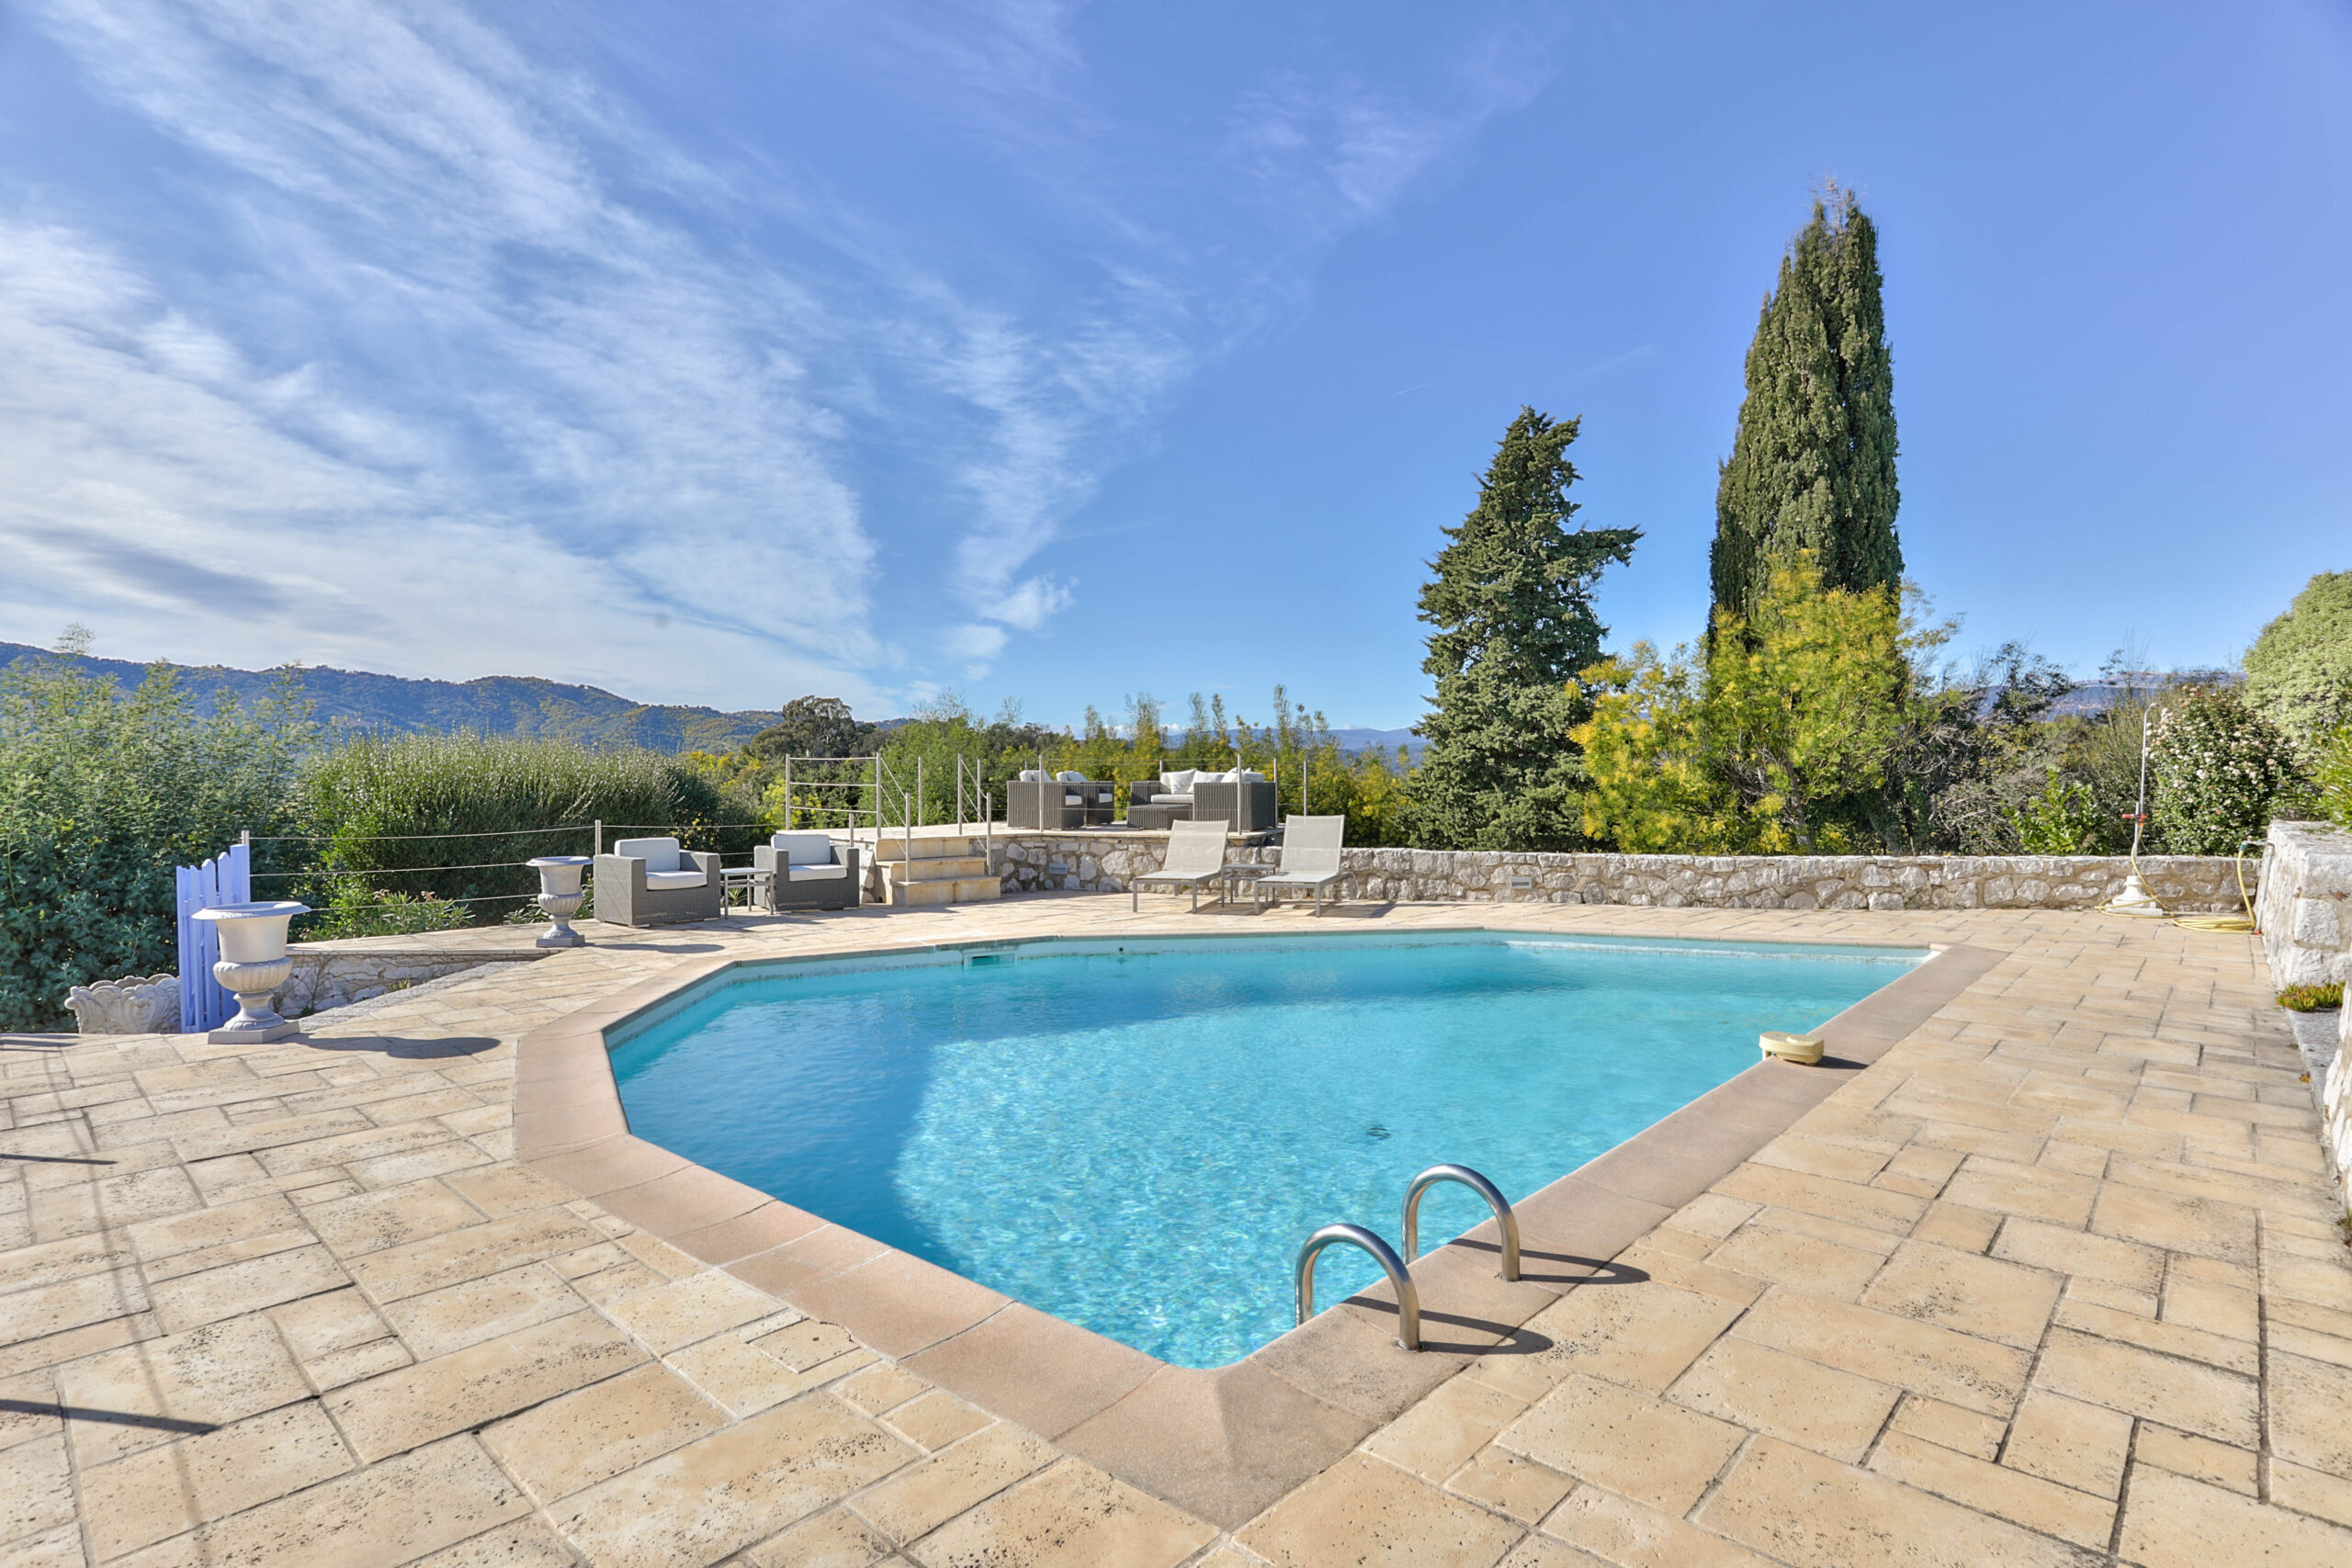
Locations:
(411, 837)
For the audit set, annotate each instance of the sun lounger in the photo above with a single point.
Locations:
(1310, 858)
(1195, 854)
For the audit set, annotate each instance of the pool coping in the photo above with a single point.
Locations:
(1221, 1443)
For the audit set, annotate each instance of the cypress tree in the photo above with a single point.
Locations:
(1813, 464)
(1511, 599)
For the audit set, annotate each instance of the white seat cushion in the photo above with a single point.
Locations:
(659, 854)
(671, 881)
(1066, 776)
(1073, 798)
(1170, 800)
(813, 873)
(803, 849)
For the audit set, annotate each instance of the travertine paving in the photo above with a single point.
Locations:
(2057, 1281)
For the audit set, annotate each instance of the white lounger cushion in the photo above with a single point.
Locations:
(671, 881)
(1066, 776)
(813, 873)
(659, 854)
(803, 849)
(1032, 775)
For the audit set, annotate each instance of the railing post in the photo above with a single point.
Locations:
(922, 802)
(600, 836)
(787, 792)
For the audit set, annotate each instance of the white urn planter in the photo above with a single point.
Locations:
(251, 966)
(559, 896)
(138, 1004)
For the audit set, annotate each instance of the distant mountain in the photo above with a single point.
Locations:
(1384, 742)
(494, 705)
(521, 704)
(2096, 696)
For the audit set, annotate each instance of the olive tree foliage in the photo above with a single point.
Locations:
(102, 793)
(1511, 595)
(2299, 671)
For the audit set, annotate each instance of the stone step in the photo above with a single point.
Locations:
(941, 868)
(919, 849)
(970, 890)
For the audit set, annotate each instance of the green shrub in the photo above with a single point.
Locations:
(2060, 820)
(102, 793)
(2332, 778)
(355, 909)
(2220, 771)
(2312, 998)
(368, 805)
(2299, 671)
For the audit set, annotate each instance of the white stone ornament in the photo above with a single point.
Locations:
(133, 1005)
(560, 896)
(253, 966)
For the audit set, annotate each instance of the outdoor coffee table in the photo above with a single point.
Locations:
(1244, 872)
(750, 879)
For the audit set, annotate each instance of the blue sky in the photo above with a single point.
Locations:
(722, 352)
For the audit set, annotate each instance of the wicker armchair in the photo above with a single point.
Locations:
(807, 870)
(651, 882)
(1057, 804)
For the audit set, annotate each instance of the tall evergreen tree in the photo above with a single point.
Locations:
(1511, 599)
(1812, 465)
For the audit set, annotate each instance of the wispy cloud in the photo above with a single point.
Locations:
(492, 379)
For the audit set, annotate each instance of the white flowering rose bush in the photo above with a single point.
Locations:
(2221, 770)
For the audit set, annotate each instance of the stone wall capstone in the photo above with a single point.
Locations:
(1100, 861)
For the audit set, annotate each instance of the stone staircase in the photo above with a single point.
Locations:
(933, 871)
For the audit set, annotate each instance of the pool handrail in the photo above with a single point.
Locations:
(1504, 1220)
(1408, 1300)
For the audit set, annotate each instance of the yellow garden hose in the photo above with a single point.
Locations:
(2244, 923)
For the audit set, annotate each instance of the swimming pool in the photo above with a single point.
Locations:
(1137, 1136)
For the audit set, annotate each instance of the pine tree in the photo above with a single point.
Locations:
(1812, 465)
(1511, 597)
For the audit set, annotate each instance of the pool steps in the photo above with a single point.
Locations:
(930, 873)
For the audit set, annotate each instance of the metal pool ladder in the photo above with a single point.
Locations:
(1400, 1278)
(1408, 1300)
(1504, 1220)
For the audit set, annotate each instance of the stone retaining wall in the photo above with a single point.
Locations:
(327, 977)
(2306, 912)
(1103, 861)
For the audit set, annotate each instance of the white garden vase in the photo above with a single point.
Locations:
(138, 1004)
(559, 896)
(251, 966)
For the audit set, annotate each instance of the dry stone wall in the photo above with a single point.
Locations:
(2306, 914)
(1103, 862)
(329, 976)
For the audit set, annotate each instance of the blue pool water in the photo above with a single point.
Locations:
(1138, 1141)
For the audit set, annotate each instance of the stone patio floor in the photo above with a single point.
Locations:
(2056, 1280)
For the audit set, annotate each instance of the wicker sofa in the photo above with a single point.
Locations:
(1055, 803)
(805, 871)
(1245, 800)
(652, 882)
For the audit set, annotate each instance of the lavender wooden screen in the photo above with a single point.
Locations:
(226, 878)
